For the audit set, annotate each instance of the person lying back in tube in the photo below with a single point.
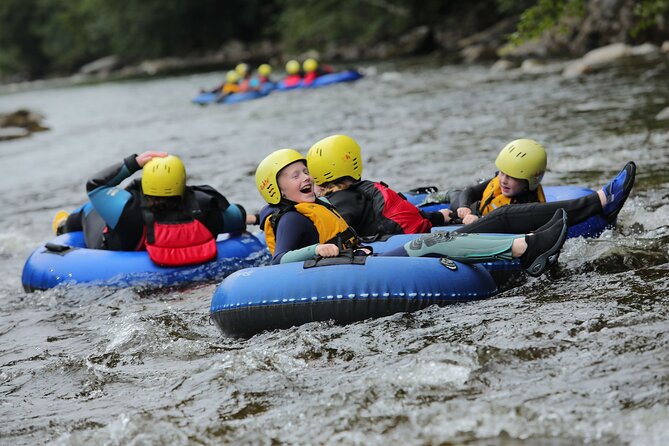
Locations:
(177, 224)
(299, 226)
(513, 200)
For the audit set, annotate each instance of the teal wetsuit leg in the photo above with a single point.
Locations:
(472, 248)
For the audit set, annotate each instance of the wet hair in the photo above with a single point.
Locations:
(164, 204)
(334, 186)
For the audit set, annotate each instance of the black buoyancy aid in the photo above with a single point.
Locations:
(331, 227)
(493, 197)
(178, 241)
(394, 214)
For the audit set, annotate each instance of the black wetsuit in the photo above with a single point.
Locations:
(363, 211)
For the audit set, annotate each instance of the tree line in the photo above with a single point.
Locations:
(39, 38)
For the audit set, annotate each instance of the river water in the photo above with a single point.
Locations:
(580, 356)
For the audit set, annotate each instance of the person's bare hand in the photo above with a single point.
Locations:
(471, 218)
(327, 250)
(148, 156)
(463, 212)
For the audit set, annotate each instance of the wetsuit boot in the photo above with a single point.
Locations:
(543, 246)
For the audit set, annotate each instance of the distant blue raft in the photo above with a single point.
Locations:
(66, 261)
(326, 79)
(211, 98)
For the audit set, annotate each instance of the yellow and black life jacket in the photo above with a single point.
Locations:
(331, 227)
(493, 197)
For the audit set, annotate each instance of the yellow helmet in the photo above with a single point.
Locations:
(231, 77)
(292, 67)
(269, 169)
(524, 159)
(310, 65)
(334, 157)
(164, 177)
(264, 70)
(242, 69)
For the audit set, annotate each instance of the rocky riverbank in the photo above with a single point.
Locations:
(20, 124)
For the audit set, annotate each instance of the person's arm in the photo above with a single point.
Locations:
(296, 239)
(439, 218)
(472, 194)
(234, 218)
(468, 199)
(106, 197)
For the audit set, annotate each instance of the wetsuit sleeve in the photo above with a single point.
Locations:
(107, 198)
(300, 255)
(350, 205)
(294, 232)
(472, 194)
(436, 218)
(234, 218)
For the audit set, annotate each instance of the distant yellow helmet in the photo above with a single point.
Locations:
(525, 159)
(242, 69)
(310, 65)
(334, 157)
(232, 77)
(264, 70)
(164, 177)
(268, 170)
(292, 67)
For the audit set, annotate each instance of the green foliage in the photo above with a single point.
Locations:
(20, 42)
(313, 23)
(543, 16)
(647, 13)
(44, 37)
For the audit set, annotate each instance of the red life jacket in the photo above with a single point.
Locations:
(399, 216)
(309, 78)
(179, 244)
(292, 80)
(183, 242)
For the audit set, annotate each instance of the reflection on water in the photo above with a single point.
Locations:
(576, 357)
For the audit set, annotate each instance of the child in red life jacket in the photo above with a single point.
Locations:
(312, 70)
(264, 73)
(299, 226)
(293, 75)
(175, 223)
(371, 208)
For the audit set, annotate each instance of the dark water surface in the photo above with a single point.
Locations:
(580, 356)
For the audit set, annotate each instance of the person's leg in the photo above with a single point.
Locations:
(536, 251)
(525, 218)
(615, 193)
(466, 248)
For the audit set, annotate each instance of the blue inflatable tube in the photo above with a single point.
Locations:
(280, 296)
(210, 98)
(592, 227)
(66, 261)
(326, 79)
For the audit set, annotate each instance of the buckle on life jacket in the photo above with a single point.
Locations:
(345, 240)
(347, 257)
